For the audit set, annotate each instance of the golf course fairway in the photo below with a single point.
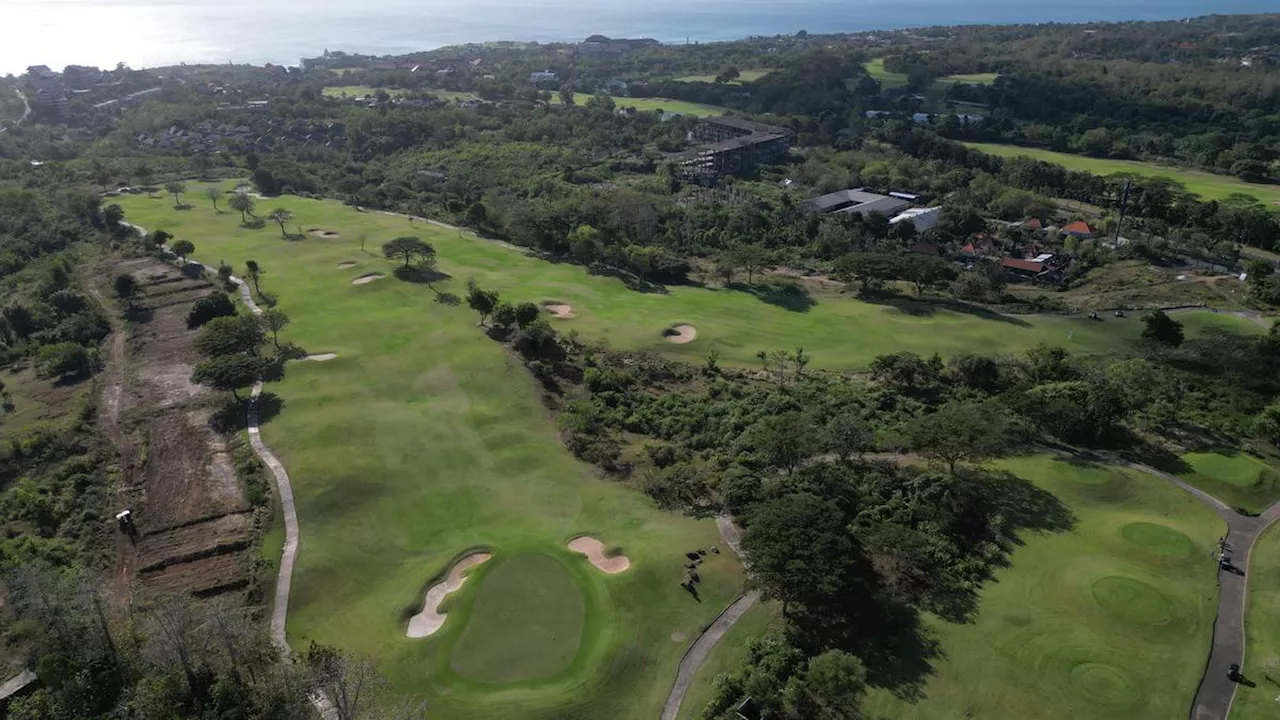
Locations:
(1110, 619)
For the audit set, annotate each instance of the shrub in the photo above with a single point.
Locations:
(210, 307)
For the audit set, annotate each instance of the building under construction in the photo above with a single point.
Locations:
(736, 147)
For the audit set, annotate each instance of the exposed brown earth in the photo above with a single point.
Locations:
(194, 526)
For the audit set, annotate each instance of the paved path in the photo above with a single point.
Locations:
(707, 639)
(280, 611)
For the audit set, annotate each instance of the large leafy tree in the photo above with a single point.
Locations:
(959, 431)
(235, 335)
(407, 249)
(799, 549)
(243, 204)
(230, 372)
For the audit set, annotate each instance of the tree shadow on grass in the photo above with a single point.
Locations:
(448, 298)
(425, 276)
(782, 293)
(917, 307)
(254, 224)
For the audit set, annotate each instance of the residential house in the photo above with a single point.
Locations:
(1079, 229)
(858, 200)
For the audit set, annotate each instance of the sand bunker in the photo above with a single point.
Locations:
(594, 550)
(321, 357)
(375, 276)
(680, 334)
(321, 232)
(347, 264)
(560, 310)
(431, 619)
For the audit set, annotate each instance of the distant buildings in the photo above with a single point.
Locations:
(737, 146)
(858, 200)
(599, 47)
(542, 77)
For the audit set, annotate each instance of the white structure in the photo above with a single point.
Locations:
(922, 218)
(542, 76)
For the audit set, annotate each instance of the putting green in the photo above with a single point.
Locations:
(1158, 539)
(1133, 601)
(525, 623)
(1082, 624)
(1236, 478)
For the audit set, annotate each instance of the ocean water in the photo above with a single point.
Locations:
(148, 33)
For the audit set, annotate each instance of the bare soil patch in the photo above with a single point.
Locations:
(321, 232)
(345, 265)
(680, 334)
(560, 310)
(194, 526)
(368, 278)
(431, 619)
(596, 554)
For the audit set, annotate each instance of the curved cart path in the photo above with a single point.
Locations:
(280, 609)
(707, 639)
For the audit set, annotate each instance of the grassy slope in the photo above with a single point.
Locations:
(875, 68)
(1262, 628)
(1207, 185)
(840, 333)
(1043, 646)
(423, 438)
(968, 79)
(648, 104)
(727, 656)
(1237, 479)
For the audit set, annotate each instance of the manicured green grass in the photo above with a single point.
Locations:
(838, 332)
(357, 91)
(424, 438)
(728, 655)
(1111, 619)
(888, 80)
(1262, 634)
(525, 622)
(968, 79)
(650, 104)
(1234, 477)
(743, 76)
(1207, 185)
(452, 95)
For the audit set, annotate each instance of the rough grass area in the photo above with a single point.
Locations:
(525, 623)
(39, 401)
(1139, 284)
(1207, 185)
(427, 438)
(651, 104)
(968, 79)
(1260, 697)
(727, 656)
(354, 91)
(1111, 619)
(744, 76)
(1234, 477)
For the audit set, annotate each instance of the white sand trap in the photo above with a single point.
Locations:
(321, 357)
(321, 232)
(594, 550)
(680, 334)
(560, 310)
(370, 278)
(347, 264)
(431, 619)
